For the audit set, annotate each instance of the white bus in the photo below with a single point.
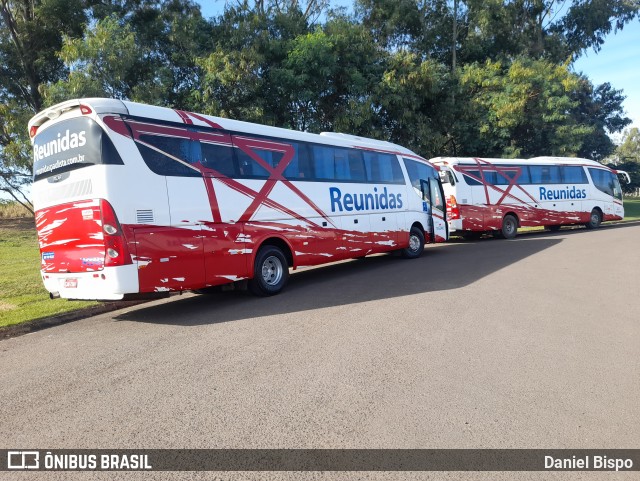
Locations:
(138, 201)
(500, 195)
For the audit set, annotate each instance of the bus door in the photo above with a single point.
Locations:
(434, 204)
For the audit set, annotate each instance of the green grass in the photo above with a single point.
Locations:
(22, 294)
(632, 208)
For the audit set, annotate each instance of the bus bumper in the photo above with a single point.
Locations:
(109, 284)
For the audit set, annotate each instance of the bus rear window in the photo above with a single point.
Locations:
(69, 145)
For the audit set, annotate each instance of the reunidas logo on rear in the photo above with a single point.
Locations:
(67, 145)
(70, 140)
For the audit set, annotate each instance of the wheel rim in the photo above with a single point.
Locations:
(595, 218)
(509, 226)
(272, 270)
(414, 243)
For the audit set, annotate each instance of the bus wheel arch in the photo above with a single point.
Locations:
(595, 218)
(416, 242)
(271, 267)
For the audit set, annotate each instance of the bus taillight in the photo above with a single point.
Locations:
(117, 253)
(453, 211)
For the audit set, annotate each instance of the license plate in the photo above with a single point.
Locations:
(70, 283)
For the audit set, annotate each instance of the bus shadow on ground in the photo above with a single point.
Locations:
(441, 267)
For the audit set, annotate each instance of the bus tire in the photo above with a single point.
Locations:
(416, 244)
(509, 226)
(270, 272)
(595, 219)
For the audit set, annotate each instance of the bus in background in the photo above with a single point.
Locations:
(500, 195)
(139, 201)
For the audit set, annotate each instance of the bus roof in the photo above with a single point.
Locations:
(124, 107)
(542, 160)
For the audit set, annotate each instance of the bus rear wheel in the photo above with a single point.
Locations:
(270, 272)
(509, 226)
(595, 219)
(416, 244)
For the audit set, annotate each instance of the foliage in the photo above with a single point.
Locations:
(99, 64)
(523, 109)
(627, 157)
(629, 149)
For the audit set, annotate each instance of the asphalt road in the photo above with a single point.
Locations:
(529, 343)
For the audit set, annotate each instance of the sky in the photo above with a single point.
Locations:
(618, 62)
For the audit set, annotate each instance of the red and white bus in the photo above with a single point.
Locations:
(500, 195)
(134, 200)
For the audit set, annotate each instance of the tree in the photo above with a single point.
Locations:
(412, 102)
(31, 34)
(146, 54)
(100, 64)
(629, 149)
(538, 29)
(522, 109)
(601, 108)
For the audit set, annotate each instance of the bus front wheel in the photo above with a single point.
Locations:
(509, 226)
(595, 219)
(416, 244)
(270, 272)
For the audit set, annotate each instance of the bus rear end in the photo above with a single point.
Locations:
(85, 253)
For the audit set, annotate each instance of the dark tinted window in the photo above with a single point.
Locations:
(545, 174)
(250, 168)
(382, 168)
(604, 180)
(418, 171)
(301, 166)
(335, 163)
(470, 175)
(219, 158)
(574, 174)
(69, 145)
(169, 155)
(349, 165)
(512, 170)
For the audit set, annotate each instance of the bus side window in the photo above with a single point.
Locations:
(471, 177)
(300, 167)
(491, 177)
(349, 165)
(512, 170)
(382, 168)
(219, 158)
(323, 161)
(574, 174)
(418, 171)
(603, 180)
(167, 155)
(536, 174)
